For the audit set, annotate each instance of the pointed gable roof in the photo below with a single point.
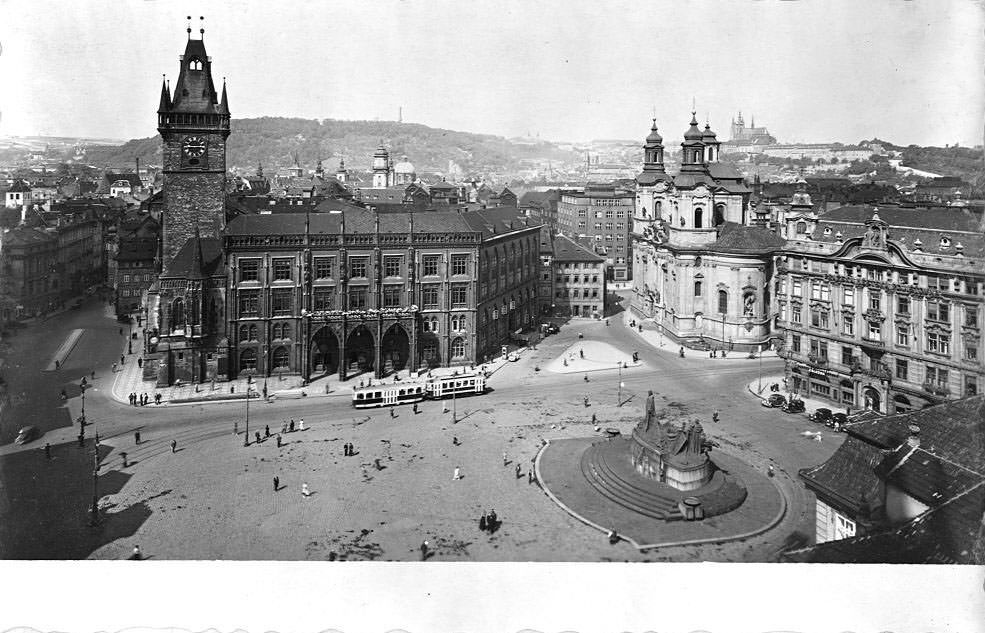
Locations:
(194, 91)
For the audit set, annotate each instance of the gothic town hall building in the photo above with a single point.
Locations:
(313, 294)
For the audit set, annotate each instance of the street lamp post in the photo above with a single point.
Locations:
(760, 369)
(619, 400)
(249, 384)
(454, 409)
(94, 513)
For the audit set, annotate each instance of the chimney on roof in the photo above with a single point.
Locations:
(914, 438)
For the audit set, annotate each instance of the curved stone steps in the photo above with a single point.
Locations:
(619, 489)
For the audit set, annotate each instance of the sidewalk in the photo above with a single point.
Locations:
(129, 379)
(652, 335)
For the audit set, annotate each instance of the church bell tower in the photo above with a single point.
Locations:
(194, 125)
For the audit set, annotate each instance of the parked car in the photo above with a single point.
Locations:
(512, 357)
(821, 415)
(794, 406)
(837, 421)
(549, 328)
(27, 434)
(775, 400)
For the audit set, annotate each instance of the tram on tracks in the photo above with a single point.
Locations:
(410, 391)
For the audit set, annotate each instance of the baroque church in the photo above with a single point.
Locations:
(701, 262)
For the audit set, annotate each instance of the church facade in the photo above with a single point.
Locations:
(700, 265)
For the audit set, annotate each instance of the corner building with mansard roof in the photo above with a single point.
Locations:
(700, 265)
(313, 294)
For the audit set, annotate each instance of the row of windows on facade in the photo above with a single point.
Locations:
(325, 267)
(936, 342)
(607, 237)
(576, 293)
(697, 215)
(137, 278)
(323, 298)
(936, 310)
(608, 214)
(958, 284)
(281, 356)
(933, 375)
(576, 279)
(282, 331)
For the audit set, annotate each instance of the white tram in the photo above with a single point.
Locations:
(406, 392)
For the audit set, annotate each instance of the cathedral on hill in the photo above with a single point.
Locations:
(348, 293)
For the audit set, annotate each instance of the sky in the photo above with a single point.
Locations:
(810, 71)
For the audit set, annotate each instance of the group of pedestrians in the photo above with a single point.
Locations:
(348, 450)
(143, 399)
(489, 522)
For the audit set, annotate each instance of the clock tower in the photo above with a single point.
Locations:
(194, 125)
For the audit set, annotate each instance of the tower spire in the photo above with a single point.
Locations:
(223, 102)
(189, 28)
(201, 25)
(165, 96)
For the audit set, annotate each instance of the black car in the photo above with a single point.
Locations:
(794, 406)
(821, 416)
(837, 421)
(775, 400)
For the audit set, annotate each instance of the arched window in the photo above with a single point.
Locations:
(248, 360)
(177, 314)
(697, 217)
(722, 302)
(659, 210)
(244, 333)
(719, 214)
(195, 64)
(276, 331)
(285, 330)
(458, 348)
(253, 332)
(801, 228)
(281, 358)
(697, 289)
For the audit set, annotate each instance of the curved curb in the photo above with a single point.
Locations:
(707, 541)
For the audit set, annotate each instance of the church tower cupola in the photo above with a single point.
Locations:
(381, 168)
(693, 149)
(712, 145)
(653, 152)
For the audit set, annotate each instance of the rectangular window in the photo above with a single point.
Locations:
(249, 269)
(875, 300)
(795, 343)
(429, 296)
(797, 288)
(459, 264)
(970, 385)
(848, 326)
(970, 315)
(581, 224)
(846, 355)
(814, 346)
(820, 291)
(431, 265)
(938, 311)
(322, 298)
(282, 269)
(249, 303)
(971, 350)
(357, 298)
(323, 267)
(902, 369)
(937, 376)
(598, 226)
(391, 295)
(282, 301)
(848, 293)
(939, 343)
(903, 335)
(126, 279)
(902, 304)
(459, 295)
(875, 331)
(581, 213)
(357, 267)
(795, 314)
(393, 265)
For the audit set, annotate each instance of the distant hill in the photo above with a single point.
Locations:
(273, 141)
(966, 163)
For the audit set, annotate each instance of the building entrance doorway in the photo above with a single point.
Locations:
(360, 351)
(324, 352)
(395, 349)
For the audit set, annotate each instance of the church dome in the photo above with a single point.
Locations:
(693, 133)
(654, 137)
(708, 135)
(404, 167)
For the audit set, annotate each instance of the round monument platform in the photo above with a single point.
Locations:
(596, 481)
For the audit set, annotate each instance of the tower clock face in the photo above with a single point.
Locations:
(194, 146)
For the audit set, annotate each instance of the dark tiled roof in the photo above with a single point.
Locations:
(925, 476)
(497, 220)
(954, 431)
(734, 237)
(949, 534)
(25, 236)
(199, 258)
(723, 171)
(137, 250)
(19, 186)
(565, 250)
(356, 221)
(938, 218)
(847, 477)
(131, 178)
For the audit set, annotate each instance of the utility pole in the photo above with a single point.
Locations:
(246, 436)
(619, 400)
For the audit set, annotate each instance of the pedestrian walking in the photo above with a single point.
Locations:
(393, 413)
(291, 426)
(415, 408)
(266, 430)
(424, 550)
(769, 471)
(123, 359)
(257, 436)
(581, 353)
(136, 437)
(457, 475)
(47, 450)
(235, 428)
(93, 375)
(276, 483)
(714, 416)
(304, 490)
(157, 398)
(174, 446)
(586, 377)
(530, 476)
(454, 441)
(114, 367)
(136, 555)
(140, 362)
(278, 441)
(492, 521)
(58, 365)
(518, 473)
(482, 522)
(97, 441)
(301, 424)
(123, 456)
(505, 461)
(682, 352)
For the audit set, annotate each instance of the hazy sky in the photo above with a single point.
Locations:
(909, 72)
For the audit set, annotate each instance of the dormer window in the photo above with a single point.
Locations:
(945, 242)
(827, 230)
(195, 64)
